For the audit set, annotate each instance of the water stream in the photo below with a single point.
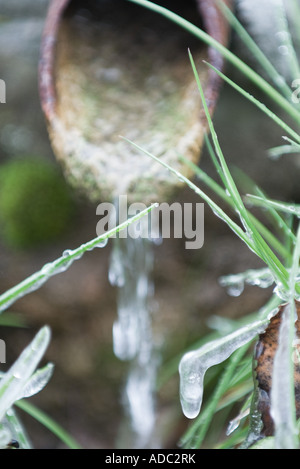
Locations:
(130, 271)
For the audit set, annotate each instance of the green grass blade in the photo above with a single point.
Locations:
(220, 192)
(215, 208)
(276, 152)
(238, 63)
(228, 180)
(291, 209)
(260, 105)
(214, 159)
(294, 144)
(261, 247)
(49, 423)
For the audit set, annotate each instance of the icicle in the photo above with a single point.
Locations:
(194, 365)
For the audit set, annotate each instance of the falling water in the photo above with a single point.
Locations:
(130, 270)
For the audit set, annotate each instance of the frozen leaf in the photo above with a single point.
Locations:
(5, 435)
(14, 380)
(17, 429)
(37, 381)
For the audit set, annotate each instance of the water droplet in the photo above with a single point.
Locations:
(281, 292)
(17, 374)
(102, 243)
(282, 35)
(263, 280)
(236, 289)
(181, 178)
(46, 269)
(234, 284)
(65, 265)
(283, 50)
(67, 253)
(234, 423)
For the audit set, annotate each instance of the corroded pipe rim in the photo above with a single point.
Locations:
(214, 23)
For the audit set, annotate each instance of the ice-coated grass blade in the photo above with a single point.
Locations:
(61, 264)
(257, 103)
(18, 431)
(276, 152)
(291, 209)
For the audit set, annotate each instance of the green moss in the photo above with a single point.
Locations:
(35, 203)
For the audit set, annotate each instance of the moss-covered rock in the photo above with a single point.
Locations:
(35, 203)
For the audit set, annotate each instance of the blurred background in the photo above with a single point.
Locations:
(84, 394)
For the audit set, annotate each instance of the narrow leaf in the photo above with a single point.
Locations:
(15, 379)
